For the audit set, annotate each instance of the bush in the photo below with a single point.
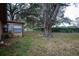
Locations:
(67, 30)
(6, 35)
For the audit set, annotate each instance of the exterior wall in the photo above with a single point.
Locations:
(3, 21)
(17, 33)
(14, 29)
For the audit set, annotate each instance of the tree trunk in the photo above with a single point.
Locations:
(48, 19)
(47, 28)
(47, 31)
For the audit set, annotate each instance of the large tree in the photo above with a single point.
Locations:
(50, 11)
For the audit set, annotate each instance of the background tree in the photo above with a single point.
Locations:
(15, 9)
(31, 15)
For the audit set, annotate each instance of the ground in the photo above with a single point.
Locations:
(34, 44)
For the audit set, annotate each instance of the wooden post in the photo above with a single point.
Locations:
(22, 30)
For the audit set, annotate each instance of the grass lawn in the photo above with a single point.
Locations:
(34, 44)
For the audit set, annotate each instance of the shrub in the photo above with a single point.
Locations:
(67, 30)
(6, 35)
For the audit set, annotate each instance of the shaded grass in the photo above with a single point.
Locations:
(33, 43)
(20, 46)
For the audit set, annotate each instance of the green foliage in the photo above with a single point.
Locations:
(66, 30)
(7, 35)
(33, 14)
